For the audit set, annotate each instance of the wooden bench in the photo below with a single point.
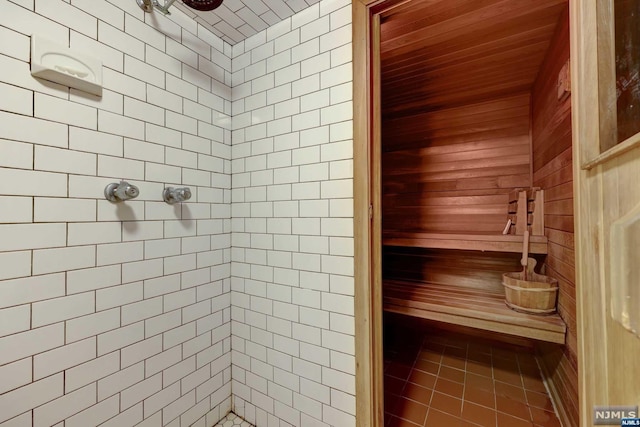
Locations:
(475, 308)
(476, 242)
(478, 299)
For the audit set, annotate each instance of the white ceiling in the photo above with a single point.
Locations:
(235, 20)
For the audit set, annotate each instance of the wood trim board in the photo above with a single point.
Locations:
(369, 380)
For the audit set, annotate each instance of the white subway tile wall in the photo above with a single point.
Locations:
(114, 315)
(292, 222)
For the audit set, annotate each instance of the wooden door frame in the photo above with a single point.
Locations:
(368, 294)
(367, 209)
(587, 200)
(368, 297)
(590, 68)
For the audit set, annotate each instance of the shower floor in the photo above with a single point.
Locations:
(232, 420)
(446, 379)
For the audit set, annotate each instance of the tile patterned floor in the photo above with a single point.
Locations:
(452, 380)
(232, 420)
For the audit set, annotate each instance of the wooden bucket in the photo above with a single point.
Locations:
(537, 295)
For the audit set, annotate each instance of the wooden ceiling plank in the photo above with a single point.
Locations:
(429, 46)
(514, 15)
(417, 15)
(427, 60)
(459, 73)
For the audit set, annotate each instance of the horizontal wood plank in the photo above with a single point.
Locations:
(478, 242)
(468, 307)
(479, 159)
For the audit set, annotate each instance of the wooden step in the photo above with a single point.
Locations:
(475, 308)
(479, 242)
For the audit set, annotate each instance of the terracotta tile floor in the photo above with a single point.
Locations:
(453, 380)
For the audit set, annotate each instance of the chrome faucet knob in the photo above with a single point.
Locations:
(176, 195)
(184, 194)
(119, 192)
(126, 191)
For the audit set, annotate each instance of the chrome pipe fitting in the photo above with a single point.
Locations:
(119, 192)
(201, 5)
(176, 195)
(145, 5)
(149, 5)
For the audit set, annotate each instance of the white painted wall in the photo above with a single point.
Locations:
(292, 222)
(114, 314)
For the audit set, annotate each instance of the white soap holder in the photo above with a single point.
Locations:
(60, 64)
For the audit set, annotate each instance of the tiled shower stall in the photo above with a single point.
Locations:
(149, 314)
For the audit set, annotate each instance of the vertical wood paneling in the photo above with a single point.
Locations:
(552, 160)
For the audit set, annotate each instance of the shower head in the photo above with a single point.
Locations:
(202, 5)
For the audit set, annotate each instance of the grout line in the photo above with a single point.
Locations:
(464, 382)
(495, 412)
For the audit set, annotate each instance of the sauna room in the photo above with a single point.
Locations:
(475, 182)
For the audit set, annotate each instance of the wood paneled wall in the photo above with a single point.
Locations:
(450, 170)
(552, 159)
(479, 270)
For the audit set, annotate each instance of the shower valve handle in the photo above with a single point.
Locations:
(119, 192)
(176, 195)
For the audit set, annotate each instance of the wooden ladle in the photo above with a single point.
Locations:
(527, 263)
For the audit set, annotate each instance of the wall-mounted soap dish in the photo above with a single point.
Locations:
(60, 64)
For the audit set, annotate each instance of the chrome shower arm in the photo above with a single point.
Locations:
(201, 5)
(149, 5)
(164, 9)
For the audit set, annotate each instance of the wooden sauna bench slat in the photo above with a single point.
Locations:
(475, 242)
(475, 308)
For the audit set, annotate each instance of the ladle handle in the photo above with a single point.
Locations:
(525, 252)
